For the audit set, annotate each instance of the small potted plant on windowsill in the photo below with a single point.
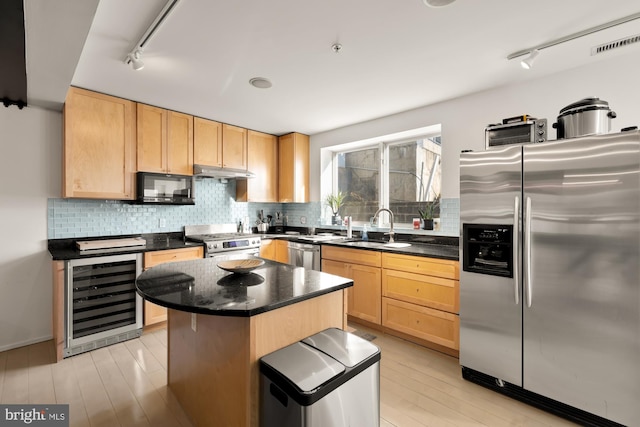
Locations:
(335, 201)
(428, 212)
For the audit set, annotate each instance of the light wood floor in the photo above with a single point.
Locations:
(125, 385)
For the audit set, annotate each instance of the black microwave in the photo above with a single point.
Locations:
(165, 189)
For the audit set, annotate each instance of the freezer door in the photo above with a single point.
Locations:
(490, 308)
(582, 292)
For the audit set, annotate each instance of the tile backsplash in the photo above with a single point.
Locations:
(215, 204)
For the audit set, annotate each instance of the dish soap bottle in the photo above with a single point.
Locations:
(364, 235)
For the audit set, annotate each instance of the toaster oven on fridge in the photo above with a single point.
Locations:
(523, 131)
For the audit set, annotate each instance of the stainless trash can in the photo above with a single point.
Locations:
(330, 379)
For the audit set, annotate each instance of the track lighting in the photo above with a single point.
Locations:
(528, 62)
(535, 50)
(134, 58)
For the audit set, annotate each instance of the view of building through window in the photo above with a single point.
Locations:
(409, 179)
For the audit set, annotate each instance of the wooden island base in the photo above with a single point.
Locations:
(214, 372)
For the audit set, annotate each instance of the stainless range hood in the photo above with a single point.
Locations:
(221, 173)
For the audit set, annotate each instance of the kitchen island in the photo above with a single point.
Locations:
(220, 324)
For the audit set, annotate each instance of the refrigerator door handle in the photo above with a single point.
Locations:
(516, 276)
(527, 254)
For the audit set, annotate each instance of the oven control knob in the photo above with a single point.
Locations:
(215, 246)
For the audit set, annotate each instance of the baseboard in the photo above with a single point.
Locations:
(25, 343)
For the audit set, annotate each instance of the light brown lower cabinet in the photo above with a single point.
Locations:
(282, 251)
(58, 308)
(421, 298)
(268, 249)
(275, 250)
(154, 313)
(437, 326)
(414, 297)
(363, 299)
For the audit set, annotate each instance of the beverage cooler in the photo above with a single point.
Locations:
(102, 306)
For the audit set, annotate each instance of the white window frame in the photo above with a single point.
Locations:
(383, 147)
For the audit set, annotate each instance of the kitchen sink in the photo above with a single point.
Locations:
(319, 238)
(367, 244)
(397, 245)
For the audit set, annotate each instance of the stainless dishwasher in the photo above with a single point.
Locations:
(304, 255)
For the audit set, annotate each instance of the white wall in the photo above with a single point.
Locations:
(30, 172)
(464, 119)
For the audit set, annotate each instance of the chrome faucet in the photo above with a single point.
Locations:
(391, 233)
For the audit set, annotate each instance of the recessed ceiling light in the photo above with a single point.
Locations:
(437, 3)
(260, 83)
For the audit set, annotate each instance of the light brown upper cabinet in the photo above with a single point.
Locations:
(99, 146)
(207, 142)
(165, 141)
(263, 162)
(293, 168)
(220, 145)
(234, 147)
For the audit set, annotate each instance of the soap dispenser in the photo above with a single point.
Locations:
(364, 234)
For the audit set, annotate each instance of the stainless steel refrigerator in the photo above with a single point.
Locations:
(550, 275)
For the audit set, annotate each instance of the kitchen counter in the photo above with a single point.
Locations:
(449, 252)
(220, 324)
(200, 286)
(420, 245)
(65, 249)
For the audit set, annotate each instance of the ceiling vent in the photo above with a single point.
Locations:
(615, 44)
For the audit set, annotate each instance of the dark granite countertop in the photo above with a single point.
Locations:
(200, 286)
(442, 247)
(440, 251)
(65, 249)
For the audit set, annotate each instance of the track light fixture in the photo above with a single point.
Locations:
(134, 58)
(533, 52)
(528, 62)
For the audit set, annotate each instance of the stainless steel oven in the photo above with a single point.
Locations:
(222, 242)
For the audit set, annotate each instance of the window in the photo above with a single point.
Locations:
(409, 177)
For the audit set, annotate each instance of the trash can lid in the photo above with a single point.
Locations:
(304, 366)
(343, 346)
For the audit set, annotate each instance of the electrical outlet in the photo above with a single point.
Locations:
(162, 222)
(303, 220)
(193, 322)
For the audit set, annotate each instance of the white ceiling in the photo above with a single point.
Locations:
(397, 54)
